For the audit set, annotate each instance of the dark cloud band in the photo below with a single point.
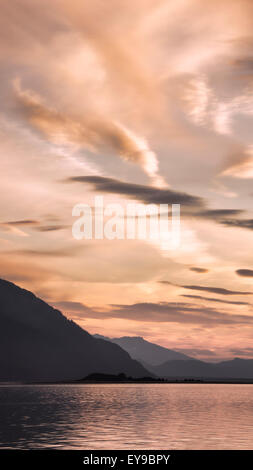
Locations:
(145, 194)
(213, 290)
(212, 299)
(245, 272)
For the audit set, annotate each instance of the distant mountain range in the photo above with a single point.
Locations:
(235, 369)
(147, 353)
(167, 363)
(38, 343)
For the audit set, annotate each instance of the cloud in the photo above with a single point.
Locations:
(73, 307)
(192, 206)
(246, 352)
(199, 270)
(211, 299)
(240, 165)
(51, 228)
(225, 112)
(145, 194)
(217, 290)
(18, 223)
(27, 24)
(226, 217)
(56, 253)
(239, 223)
(97, 133)
(201, 354)
(214, 290)
(244, 63)
(25, 272)
(218, 214)
(17, 226)
(161, 312)
(245, 272)
(206, 108)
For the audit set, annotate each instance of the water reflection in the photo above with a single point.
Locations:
(139, 416)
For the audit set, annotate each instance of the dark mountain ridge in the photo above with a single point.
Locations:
(38, 343)
(237, 368)
(180, 366)
(149, 354)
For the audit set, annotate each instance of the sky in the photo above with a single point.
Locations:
(148, 101)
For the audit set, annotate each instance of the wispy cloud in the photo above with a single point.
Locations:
(51, 228)
(240, 165)
(161, 312)
(95, 133)
(18, 227)
(195, 269)
(214, 290)
(218, 290)
(191, 206)
(145, 194)
(245, 272)
(239, 223)
(20, 223)
(212, 299)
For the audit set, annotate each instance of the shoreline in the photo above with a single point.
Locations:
(134, 382)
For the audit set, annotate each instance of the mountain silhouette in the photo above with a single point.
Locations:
(236, 368)
(149, 354)
(38, 343)
(166, 363)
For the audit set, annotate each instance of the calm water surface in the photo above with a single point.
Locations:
(130, 416)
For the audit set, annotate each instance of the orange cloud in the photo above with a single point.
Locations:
(93, 133)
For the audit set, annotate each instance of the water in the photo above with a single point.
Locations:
(126, 416)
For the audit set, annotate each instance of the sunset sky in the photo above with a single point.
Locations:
(146, 101)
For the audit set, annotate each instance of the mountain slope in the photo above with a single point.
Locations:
(38, 343)
(144, 351)
(235, 369)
